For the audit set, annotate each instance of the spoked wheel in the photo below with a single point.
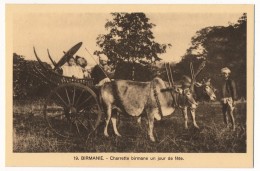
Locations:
(72, 109)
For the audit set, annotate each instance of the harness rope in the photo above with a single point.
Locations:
(155, 93)
(179, 100)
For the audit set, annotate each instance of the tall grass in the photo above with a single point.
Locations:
(31, 133)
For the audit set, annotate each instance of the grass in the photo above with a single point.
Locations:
(31, 134)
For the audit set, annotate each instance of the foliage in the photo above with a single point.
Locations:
(221, 47)
(130, 39)
(25, 83)
(135, 71)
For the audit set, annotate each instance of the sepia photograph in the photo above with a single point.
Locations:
(125, 83)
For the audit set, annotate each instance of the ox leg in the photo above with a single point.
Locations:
(185, 115)
(231, 113)
(109, 109)
(192, 111)
(150, 117)
(224, 111)
(139, 119)
(114, 122)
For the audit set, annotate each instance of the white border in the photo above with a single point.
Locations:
(2, 68)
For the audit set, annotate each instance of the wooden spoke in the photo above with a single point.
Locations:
(92, 126)
(74, 93)
(61, 99)
(79, 97)
(57, 115)
(77, 127)
(67, 95)
(72, 110)
(84, 109)
(87, 129)
(78, 106)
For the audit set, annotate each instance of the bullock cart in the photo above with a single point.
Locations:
(71, 107)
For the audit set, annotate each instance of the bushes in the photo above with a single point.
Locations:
(25, 84)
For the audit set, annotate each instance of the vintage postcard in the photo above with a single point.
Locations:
(129, 85)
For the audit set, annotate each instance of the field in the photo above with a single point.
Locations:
(31, 134)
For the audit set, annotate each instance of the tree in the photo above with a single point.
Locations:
(25, 84)
(221, 47)
(130, 39)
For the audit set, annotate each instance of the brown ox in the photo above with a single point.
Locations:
(153, 98)
(203, 90)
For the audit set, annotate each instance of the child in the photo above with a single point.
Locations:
(72, 70)
(82, 63)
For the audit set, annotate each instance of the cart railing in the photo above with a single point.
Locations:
(51, 77)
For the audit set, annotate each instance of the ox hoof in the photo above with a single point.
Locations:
(119, 135)
(152, 139)
(186, 127)
(106, 135)
(139, 121)
(196, 126)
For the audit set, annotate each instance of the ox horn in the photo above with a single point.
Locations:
(202, 65)
(167, 73)
(52, 61)
(171, 73)
(192, 77)
(39, 60)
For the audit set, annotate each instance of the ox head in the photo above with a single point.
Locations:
(201, 88)
(183, 91)
(205, 84)
(207, 89)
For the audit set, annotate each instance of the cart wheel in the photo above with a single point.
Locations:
(72, 109)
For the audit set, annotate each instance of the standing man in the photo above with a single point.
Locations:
(229, 95)
(102, 72)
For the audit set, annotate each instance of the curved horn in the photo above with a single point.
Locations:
(167, 73)
(192, 77)
(52, 61)
(42, 64)
(39, 60)
(202, 65)
(171, 73)
(191, 70)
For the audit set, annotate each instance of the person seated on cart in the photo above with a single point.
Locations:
(83, 63)
(102, 73)
(71, 69)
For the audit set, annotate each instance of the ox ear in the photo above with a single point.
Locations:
(197, 84)
(186, 90)
(178, 90)
(207, 81)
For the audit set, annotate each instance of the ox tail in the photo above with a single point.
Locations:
(100, 100)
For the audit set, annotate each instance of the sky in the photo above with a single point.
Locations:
(58, 32)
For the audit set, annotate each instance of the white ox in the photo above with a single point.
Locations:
(153, 98)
